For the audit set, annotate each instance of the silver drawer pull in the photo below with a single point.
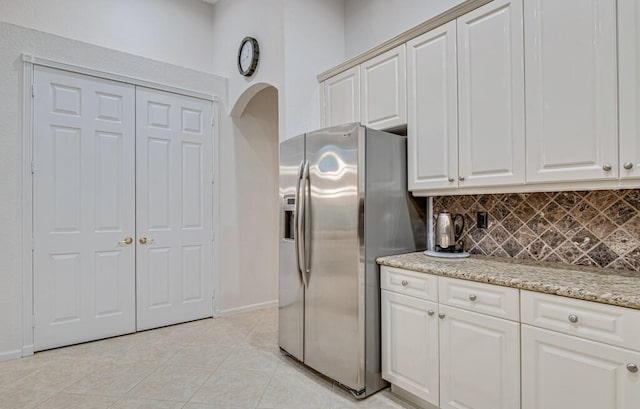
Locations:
(441, 315)
(633, 368)
(573, 318)
(431, 312)
(472, 297)
(405, 283)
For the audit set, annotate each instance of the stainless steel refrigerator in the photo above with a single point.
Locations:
(343, 203)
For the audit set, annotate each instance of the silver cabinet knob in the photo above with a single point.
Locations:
(633, 368)
(405, 283)
(431, 312)
(573, 318)
(441, 315)
(461, 178)
(607, 167)
(451, 180)
(628, 165)
(472, 297)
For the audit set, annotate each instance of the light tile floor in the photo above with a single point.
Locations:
(225, 363)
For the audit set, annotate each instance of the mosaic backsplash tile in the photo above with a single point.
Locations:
(598, 228)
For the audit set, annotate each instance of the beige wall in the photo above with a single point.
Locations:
(249, 223)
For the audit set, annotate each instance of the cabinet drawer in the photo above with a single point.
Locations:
(599, 322)
(502, 302)
(419, 285)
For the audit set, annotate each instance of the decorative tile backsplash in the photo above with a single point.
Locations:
(598, 228)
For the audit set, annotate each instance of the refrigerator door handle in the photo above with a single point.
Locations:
(304, 224)
(296, 221)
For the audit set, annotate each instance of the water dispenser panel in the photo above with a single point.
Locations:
(289, 217)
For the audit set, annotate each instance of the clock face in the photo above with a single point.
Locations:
(248, 56)
(246, 52)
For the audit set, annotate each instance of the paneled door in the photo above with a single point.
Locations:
(174, 206)
(491, 95)
(432, 133)
(571, 82)
(342, 98)
(83, 208)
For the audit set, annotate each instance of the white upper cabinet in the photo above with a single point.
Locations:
(571, 90)
(383, 90)
(342, 98)
(629, 71)
(491, 95)
(433, 118)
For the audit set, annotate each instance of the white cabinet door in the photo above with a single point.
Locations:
(342, 98)
(433, 110)
(384, 90)
(560, 371)
(410, 344)
(479, 361)
(629, 71)
(83, 208)
(571, 83)
(491, 95)
(174, 208)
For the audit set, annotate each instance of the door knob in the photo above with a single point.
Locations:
(144, 240)
(628, 165)
(573, 318)
(126, 241)
(451, 180)
(441, 315)
(461, 178)
(607, 167)
(405, 283)
(472, 297)
(633, 368)
(431, 312)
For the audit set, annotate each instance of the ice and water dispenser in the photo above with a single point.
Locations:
(289, 218)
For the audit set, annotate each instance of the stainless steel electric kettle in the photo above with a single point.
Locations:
(448, 232)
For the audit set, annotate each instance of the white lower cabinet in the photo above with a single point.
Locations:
(410, 344)
(479, 361)
(555, 353)
(446, 356)
(562, 371)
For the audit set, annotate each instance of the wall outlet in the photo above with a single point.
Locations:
(483, 220)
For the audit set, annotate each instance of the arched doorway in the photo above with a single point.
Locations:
(249, 222)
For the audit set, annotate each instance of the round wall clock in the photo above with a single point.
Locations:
(248, 55)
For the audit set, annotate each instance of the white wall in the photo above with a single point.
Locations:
(249, 222)
(371, 22)
(298, 39)
(232, 21)
(15, 40)
(313, 43)
(174, 31)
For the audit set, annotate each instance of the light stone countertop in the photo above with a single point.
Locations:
(604, 285)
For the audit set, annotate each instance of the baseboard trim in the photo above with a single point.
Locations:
(28, 350)
(8, 355)
(248, 308)
(411, 398)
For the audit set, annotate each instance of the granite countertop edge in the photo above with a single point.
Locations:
(610, 279)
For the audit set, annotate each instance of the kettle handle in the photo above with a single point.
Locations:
(458, 232)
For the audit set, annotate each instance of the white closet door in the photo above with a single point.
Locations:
(173, 208)
(84, 202)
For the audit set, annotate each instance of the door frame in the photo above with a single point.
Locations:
(28, 63)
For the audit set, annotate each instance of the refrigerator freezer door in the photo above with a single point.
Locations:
(334, 298)
(291, 291)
